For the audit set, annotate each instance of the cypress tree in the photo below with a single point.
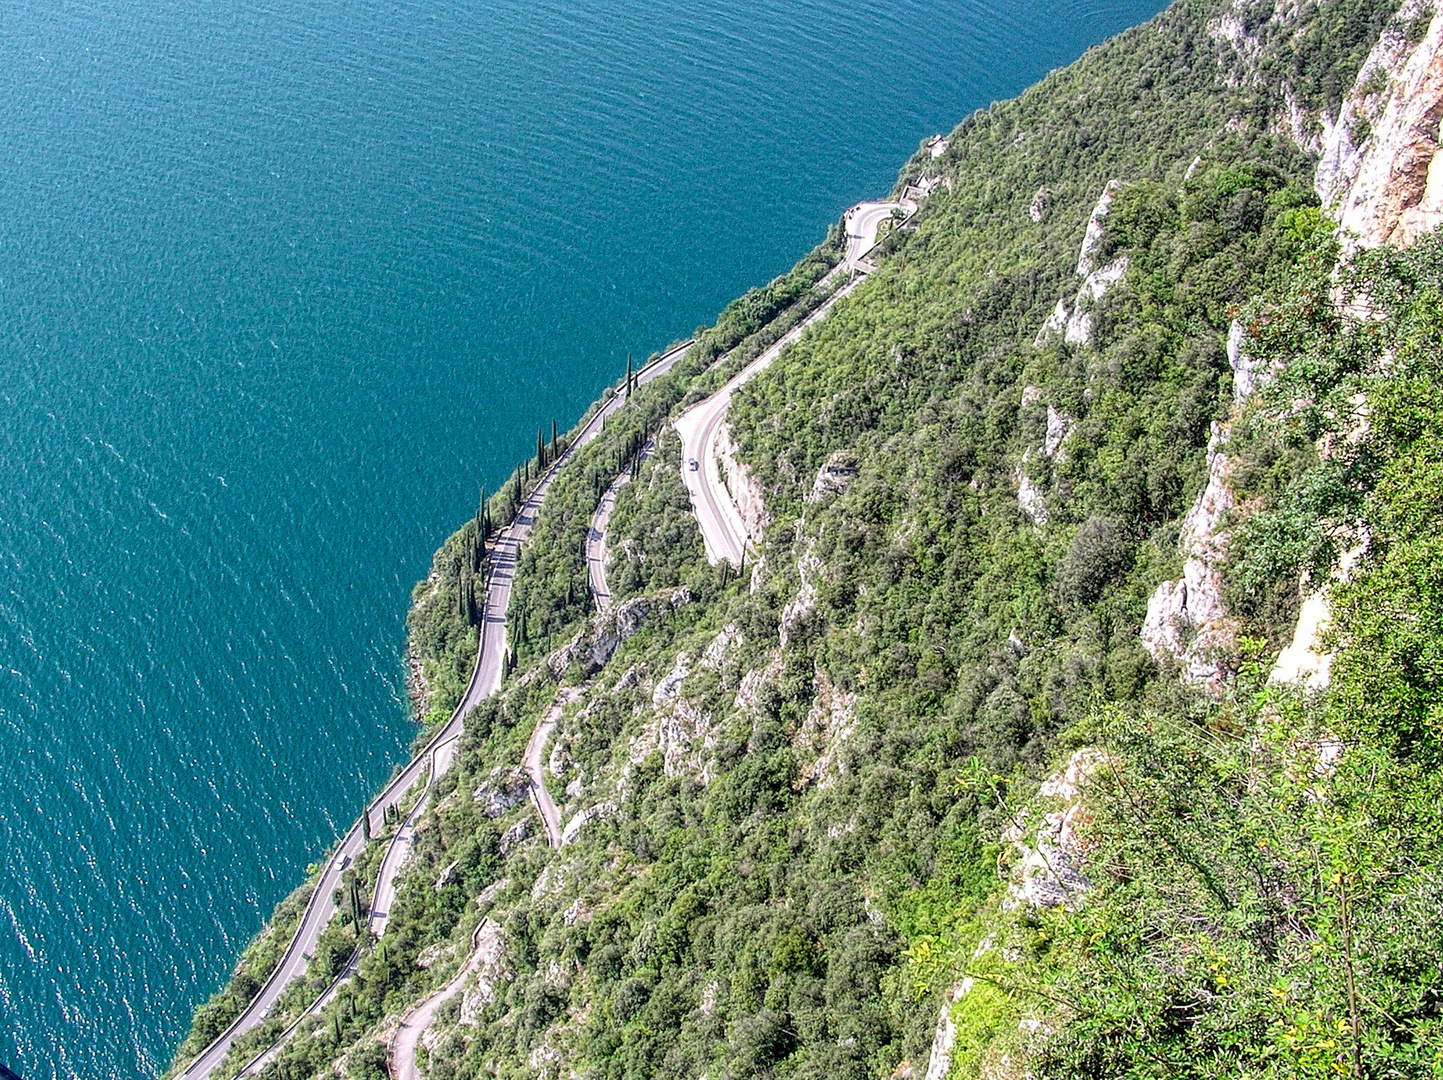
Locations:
(628, 376)
(553, 440)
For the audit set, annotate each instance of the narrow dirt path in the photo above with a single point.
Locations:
(485, 945)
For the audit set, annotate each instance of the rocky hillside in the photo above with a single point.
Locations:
(1076, 711)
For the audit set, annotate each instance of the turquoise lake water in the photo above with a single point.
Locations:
(281, 281)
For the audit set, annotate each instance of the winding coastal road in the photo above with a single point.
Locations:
(596, 535)
(533, 761)
(724, 533)
(725, 537)
(433, 760)
(415, 1022)
(862, 222)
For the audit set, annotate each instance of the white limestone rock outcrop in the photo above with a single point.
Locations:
(1052, 326)
(1029, 495)
(593, 647)
(939, 1064)
(1187, 621)
(599, 812)
(805, 602)
(824, 733)
(1248, 374)
(1096, 226)
(1048, 871)
(1041, 202)
(834, 477)
(1389, 190)
(714, 656)
(1059, 426)
(1077, 322)
(1303, 662)
(746, 493)
(492, 971)
(502, 791)
(1082, 323)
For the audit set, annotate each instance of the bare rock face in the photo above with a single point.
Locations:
(447, 876)
(502, 791)
(749, 693)
(1303, 662)
(1076, 322)
(515, 836)
(1054, 324)
(1048, 871)
(939, 1064)
(684, 735)
(1247, 374)
(1230, 28)
(492, 970)
(669, 686)
(1390, 189)
(1082, 322)
(1029, 496)
(744, 489)
(1340, 153)
(1186, 620)
(823, 735)
(594, 647)
(805, 602)
(1041, 202)
(599, 812)
(678, 729)
(1059, 426)
(1096, 224)
(834, 477)
(714, 656)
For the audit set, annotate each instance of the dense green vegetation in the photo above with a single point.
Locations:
(256, 963)
(800, 796)
(1267, 871)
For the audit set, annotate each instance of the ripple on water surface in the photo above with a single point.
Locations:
(280, 282)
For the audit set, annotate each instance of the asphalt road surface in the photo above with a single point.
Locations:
(414, 1023)
(533, 762)
(596, 535)
(485, 681)
(723, 533)
(862, 222)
